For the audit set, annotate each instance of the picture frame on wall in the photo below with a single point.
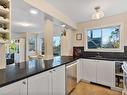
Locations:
(79, 36)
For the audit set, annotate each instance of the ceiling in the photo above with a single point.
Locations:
(21, 14)
(77, 10)
(82, 10)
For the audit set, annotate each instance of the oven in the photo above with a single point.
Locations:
(124, 67)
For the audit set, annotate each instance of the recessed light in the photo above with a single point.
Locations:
(24, 24)
(33, 11)
(63, 25)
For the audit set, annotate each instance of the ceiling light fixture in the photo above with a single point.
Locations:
(98, 14)
(33, 11)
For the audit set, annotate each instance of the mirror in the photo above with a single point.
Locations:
(27, 34)
(27, 37)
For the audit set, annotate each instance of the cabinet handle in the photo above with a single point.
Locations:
(50, 71)
(24, 82)
(54, 70)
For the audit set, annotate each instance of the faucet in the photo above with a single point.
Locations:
(98, 55)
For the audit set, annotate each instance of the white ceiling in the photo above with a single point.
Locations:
(82, 10)
(21, 14)
(77, 10)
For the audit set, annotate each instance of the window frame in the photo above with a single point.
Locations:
(120, 49)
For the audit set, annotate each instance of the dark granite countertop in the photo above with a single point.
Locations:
(107, 59)
(16, 72)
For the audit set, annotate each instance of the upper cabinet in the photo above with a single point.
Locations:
(5, 18)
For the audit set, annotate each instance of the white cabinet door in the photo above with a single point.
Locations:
(40, 84)
(58, 77)
(79, 70)
(106, 73)
(18, 88)
(89, 70)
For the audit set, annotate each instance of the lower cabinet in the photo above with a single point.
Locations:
(79, 70)
(89, 70)
(48, 83)
(40, 84)
(18, 88)
(58, 81)
(106, 73)
(99, 71)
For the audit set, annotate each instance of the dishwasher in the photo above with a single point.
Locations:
(71, 76)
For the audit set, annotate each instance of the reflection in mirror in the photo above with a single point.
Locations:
(26, 33)
(32, 43)
(57, 41)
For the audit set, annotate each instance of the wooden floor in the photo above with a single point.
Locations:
(92, 89)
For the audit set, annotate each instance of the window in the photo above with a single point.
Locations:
(32, 43)
(42, 46)
(105, 38)
(56, 46)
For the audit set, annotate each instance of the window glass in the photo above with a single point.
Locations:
(94, 38)
(42, 46)
(56, 45)
(108, 37)
(32, 43)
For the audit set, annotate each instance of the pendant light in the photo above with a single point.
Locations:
(98, 13)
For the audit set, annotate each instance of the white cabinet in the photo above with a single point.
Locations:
(89, 70)
(99, 71)
(48, 83)
(18, 88)
(40, 84)
(106, 73)
(79, 70)
(58, 76)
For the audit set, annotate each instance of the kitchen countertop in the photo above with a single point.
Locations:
(107, 59)
(19, 71)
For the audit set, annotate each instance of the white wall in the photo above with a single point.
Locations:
(67, 43)
(18, 35)
(2, 56)
(121, 18)
(48, 37)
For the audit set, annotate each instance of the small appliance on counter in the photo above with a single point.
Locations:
(124, 67)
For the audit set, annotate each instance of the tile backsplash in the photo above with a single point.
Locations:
(84, 54)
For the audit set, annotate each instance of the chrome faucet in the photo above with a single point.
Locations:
(98, 55)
